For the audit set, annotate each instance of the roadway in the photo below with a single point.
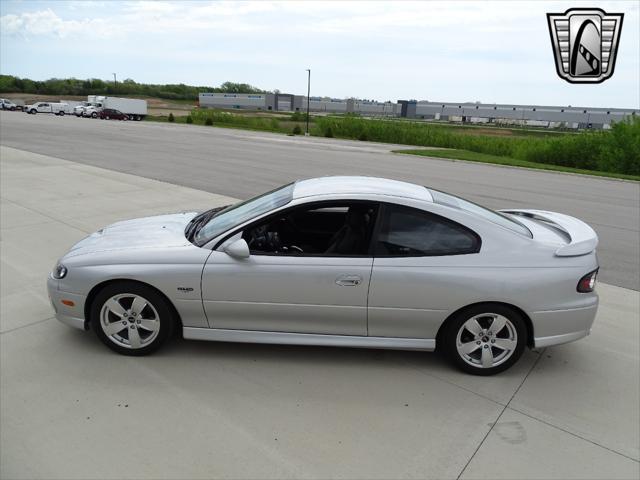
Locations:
(240, 164)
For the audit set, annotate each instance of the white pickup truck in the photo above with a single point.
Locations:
(6, 104)
(48, 107)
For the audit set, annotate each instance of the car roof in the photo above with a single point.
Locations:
(359, 185)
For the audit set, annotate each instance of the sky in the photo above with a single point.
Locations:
(454, 51)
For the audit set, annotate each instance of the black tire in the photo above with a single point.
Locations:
(106, 117)
(455, 324)
(94, 115)
(167, 320)
(33, 111)
(61, 113)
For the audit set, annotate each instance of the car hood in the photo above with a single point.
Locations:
(160, 231)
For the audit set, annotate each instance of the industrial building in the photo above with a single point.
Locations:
(531, 115)
(284, 102)
(478, 113)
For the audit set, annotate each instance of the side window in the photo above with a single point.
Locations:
(408, 231)
(321, 229)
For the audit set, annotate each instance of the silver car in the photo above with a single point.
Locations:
(338, 261)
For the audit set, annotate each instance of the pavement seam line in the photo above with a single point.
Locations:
(449, 382)
(572, 434)
(501, 413)
(53, 219)
(28, 325)
(123, 172)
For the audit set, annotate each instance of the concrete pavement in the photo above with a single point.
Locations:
(70, 408)
(242, 164)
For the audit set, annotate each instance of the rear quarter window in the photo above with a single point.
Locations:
(406, 231)
(494, 217)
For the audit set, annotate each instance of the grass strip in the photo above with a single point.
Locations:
(455, 154)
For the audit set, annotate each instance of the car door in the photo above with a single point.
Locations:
(421, 268)
(318, 293)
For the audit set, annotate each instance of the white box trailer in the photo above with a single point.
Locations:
(134, 107)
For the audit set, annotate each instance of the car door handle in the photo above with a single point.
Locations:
(349, 280)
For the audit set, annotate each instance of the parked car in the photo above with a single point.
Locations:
(111, 114)
(47, 107)
(338, 261)
(6, 104)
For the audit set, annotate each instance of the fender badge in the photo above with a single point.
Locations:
(185, 289)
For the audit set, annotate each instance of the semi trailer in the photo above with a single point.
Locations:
(135, 108)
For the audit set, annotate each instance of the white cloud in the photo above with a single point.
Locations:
(47, 22)
(444, 50)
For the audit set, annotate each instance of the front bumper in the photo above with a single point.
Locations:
(555, 327)
(67, 314)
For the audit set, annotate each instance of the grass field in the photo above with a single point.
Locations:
(615, 151)
(465, 155)
(614, 154)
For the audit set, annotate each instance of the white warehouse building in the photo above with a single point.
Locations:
(532, 115)
(464, 112)
(284, 102)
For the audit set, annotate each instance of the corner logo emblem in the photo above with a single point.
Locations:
(585, 43)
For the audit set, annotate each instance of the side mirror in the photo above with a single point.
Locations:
(238, 249)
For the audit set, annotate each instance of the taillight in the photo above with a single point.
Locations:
(588, 282)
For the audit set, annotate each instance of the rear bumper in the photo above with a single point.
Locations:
(67, 314)
(556, 327)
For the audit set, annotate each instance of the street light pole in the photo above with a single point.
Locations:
(308, 93)
(115, 82)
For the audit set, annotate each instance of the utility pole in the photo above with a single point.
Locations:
(308, 93)
(115, 83)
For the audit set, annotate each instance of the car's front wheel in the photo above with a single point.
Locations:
(485, 339)
(131, 318)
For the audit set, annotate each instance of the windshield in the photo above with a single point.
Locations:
(495, 217)
(242, 212)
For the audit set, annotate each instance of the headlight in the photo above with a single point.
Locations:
(59, 271)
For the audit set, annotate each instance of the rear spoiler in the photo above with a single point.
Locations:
(583, 239)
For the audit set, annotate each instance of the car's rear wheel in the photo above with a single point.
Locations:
(131, 318)
(485, 339)
(94, 115)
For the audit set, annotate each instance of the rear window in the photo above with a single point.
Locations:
(495, 217)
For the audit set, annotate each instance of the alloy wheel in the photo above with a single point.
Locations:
(129, 320)
(486, 340)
